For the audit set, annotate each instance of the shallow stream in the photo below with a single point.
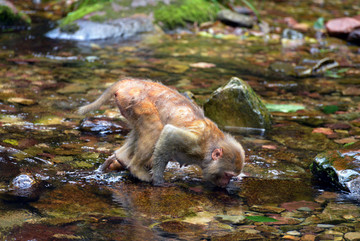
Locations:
(46, 146)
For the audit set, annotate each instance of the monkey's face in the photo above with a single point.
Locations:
(220, 171)
(226, 162)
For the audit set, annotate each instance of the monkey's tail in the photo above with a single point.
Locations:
(109, 92)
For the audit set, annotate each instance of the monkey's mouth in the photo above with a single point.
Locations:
(222, 181)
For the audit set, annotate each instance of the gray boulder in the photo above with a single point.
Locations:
(86, 30)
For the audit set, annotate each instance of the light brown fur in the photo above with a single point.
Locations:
(168, 126)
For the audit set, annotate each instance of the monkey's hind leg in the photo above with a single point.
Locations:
(112, 164)
(145, 144)
(120, 159)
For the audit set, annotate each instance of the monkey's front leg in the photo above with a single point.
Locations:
(172, 140)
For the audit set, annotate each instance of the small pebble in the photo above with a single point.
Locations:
(304, 209)
(321, 225)
(294, 233)
(289, 237)
(352, 236)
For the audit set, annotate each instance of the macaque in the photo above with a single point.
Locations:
(166, 126)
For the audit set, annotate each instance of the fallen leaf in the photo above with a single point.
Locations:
(270, 147)
(325, 131)
(22, 101)
(261, 219)
(291, 206)
(284, 107)
(346, 140)
(202, 65)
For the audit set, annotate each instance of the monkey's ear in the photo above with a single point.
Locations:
(217, 153)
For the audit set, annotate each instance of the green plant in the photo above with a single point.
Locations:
(250, 5)
(83, 8)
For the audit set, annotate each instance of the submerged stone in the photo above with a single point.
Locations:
(8, 168)
(300, 137)
(335, 213)
(316, 68)
(352, 236)
(102, 125)
(235, 19)
(236, 104)
(183, 229)
(283, 68)
(22, 101)
(292, 38)
(231, 219)
(23, 188)
(354, 36)
(75, 202)
(339, 168)
(13, 218)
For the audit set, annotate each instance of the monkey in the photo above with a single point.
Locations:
(167, 126)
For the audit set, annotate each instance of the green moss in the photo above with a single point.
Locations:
(85, 7)
(98, 18)
(236, 104)
(189, 11)
(11, 142)
(69, 28)
(9, 18)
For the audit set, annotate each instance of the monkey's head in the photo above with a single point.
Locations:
(224, 161)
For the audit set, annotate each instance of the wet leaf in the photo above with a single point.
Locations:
(49, 120)
(330, 109)
(349, 144)
(270, 147)
(319, 24)
(325, 131)
(202, 65)
(250, 5)
(11, 142)
(335, 73)
(347, 140)
(261, 219)
(22, 101)
(284, 107)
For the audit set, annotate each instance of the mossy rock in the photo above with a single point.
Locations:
(340, 169)
(11, 18)
(236, 104)
(188, 11)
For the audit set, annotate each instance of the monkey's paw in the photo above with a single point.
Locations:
(141, 174)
